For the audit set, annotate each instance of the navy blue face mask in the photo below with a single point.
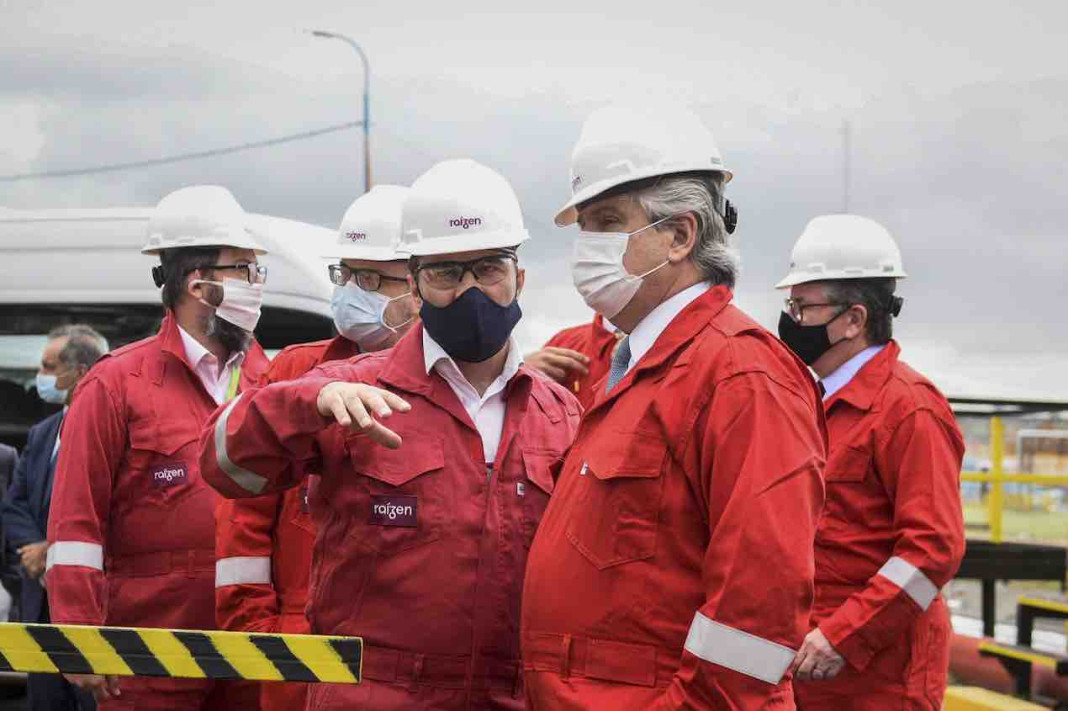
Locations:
(473, 328)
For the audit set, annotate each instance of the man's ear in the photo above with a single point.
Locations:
(520, 280)
(857, 318)
(684, 236)
(196, 289)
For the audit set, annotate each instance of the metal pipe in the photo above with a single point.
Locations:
(366, 99)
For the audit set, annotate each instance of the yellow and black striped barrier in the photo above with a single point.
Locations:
(193, 654)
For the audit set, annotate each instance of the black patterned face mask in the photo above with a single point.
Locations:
(808, 342)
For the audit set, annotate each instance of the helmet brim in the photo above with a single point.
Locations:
(568, 214)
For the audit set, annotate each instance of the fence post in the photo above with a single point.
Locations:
(997, 470)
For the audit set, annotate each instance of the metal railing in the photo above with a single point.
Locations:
(998, 478)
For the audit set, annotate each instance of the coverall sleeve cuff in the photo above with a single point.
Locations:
(847, 642)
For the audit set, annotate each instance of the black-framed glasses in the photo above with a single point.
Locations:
(366, 279)
(796, 308)
(448, 275)
(251, 272)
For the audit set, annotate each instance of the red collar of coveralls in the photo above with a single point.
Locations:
(406, 367)
(860, 392)
(679, 332)
(339, 348)
(170, 339)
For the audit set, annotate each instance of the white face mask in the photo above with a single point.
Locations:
(598, 272)
(241, 302)
(360, 316)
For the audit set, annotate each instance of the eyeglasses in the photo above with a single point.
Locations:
(366, 279)
(448, 275)
(252, 273)
(796, 309)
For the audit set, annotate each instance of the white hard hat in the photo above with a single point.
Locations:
(460, 206)
(620, 145)
(199, 216)
(843, 247)
(371, 226)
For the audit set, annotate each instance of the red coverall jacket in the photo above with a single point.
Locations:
(673, 568)
(132, 524)
(891, 536)
(594, 341)
(419, 550)
(263, 546)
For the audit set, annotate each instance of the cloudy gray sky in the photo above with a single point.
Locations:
(958, 121)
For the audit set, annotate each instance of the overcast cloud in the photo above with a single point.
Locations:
(957, 116)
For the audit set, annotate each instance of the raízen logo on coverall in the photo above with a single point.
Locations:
(172, 474)
(394, 511)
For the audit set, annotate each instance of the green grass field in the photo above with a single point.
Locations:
(1021, 525)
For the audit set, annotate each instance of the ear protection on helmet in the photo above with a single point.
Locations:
(895, 305)
(158, 275)
(730, 217)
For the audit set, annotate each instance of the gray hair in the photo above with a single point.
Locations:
(85, 346)
(876, 295)
(702, 195)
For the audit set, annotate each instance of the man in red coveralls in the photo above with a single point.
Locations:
(132, 527)
(892, 533)
(264, 545)
(427, 523)
(673, 567)
(579, 357)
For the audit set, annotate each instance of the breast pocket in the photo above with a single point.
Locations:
(617, 507)
(539, 467)
(847, 480)
(164, 461)
(848, 465)
(402, 499)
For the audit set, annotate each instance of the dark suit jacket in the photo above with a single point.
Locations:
(25, 513)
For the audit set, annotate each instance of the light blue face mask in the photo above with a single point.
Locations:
(47, 390)
(360, 316)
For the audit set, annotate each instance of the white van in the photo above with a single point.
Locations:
(85, 266)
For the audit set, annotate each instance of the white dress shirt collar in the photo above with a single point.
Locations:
(848, 370)
(649, 328)
(435, 357)
(487, 410)
(204, 363)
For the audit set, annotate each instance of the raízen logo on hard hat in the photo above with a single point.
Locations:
(356, 236)
(465, 222)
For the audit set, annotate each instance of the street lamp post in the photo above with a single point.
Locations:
(366, 100)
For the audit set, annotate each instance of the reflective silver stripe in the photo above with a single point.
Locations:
(243, 570)
(743, 652)
(911, 579)
(249, 481)
(87, 555)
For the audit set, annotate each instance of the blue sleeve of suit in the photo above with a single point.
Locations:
(18, 521)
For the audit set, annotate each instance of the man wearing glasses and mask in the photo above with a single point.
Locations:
(264, 544)
(892, 532)
(435, 462)
(132, 523)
